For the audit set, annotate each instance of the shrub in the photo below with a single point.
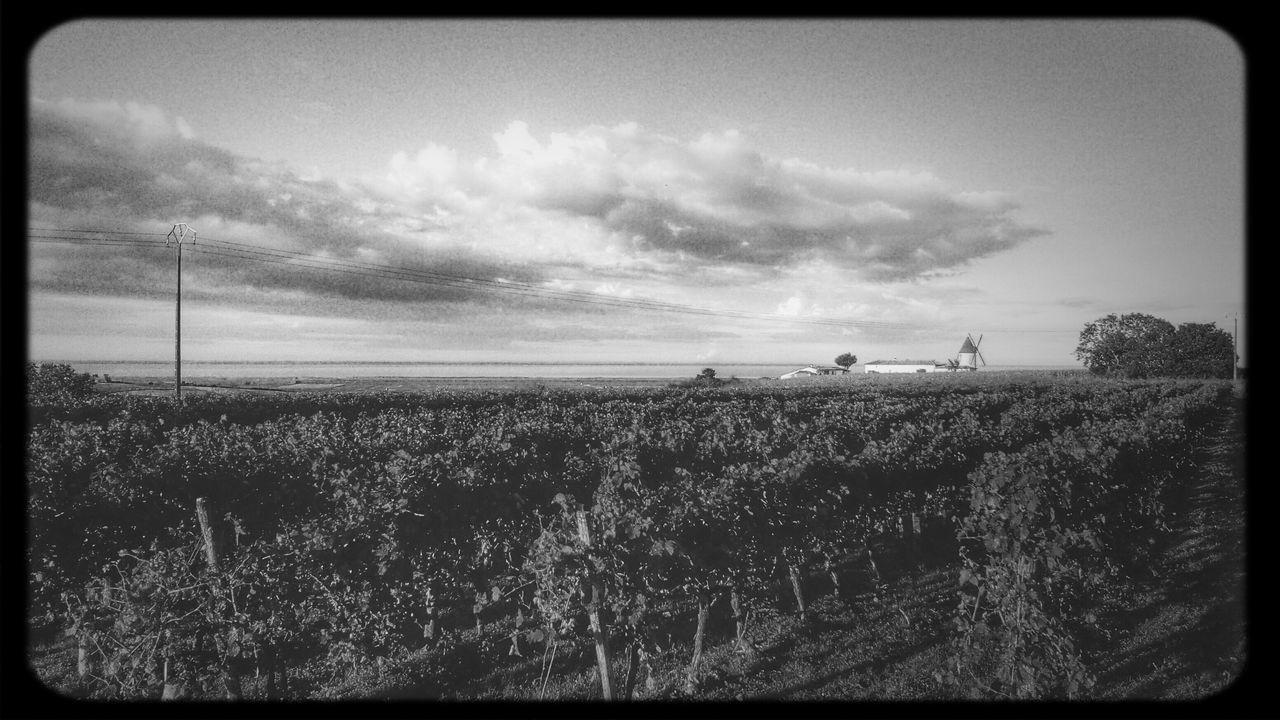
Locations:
(48, 383)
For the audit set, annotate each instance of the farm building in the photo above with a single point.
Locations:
(813, 371)
(902, 366)
(967, 359)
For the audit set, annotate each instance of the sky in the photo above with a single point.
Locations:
(639, 190)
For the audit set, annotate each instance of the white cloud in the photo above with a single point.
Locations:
(619, 211)
(714, 200)
(791, 307)
(138, 122)
(614, 289)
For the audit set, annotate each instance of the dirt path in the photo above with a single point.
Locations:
(1182, 636)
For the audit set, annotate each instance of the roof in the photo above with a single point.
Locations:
(968, 347)
(902, 362)
(815, 370)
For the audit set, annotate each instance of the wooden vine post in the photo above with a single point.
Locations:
(910, 536)
(633, 656)
(206, 531)
(477, 609)
(871, 563)
(917, 536)
(793, 573)
(229, 679)
(704, 604)
(633, 663)
(432, 629)
(84, 664)
(740, 619)
(598, 629)
(636, 654)
(829, 565)
(481, 592)
(172, 691)
(82, 655)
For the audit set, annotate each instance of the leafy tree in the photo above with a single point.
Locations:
(707, 377)
(846, 360)
(1140, 345)
(56, 383)
(1132, 345)
(1201, 350)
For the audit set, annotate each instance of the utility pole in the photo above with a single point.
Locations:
(1235, 352)
(179, 234)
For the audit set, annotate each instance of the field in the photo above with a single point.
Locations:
(959, 537)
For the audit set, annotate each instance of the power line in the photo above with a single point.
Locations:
(515, 286)
(289, 258)
(295, 259)
(99, 243)
(103, 232)
(510, 286)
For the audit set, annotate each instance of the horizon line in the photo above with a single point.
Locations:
(473, 362)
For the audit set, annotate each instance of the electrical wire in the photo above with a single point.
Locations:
(244, 251)
(514, 286)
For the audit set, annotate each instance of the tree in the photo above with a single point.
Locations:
(707, 378)
(1201, 350)
(846, 360)
(1140, 345)
(1131, 345)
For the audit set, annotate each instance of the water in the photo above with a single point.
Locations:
(192, 370)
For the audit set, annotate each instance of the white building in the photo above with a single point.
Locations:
(814, 371)
(902, 366)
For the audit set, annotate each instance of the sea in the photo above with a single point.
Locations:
(192, 370)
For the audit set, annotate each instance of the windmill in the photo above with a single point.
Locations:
(969, 355)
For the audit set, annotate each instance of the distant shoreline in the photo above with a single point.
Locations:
(201, 384)
(134, 385)
(489, 363)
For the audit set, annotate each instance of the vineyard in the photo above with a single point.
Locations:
(253, 547)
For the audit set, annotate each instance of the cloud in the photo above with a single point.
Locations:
(716, 200)
(796, 306)
(133, 167)
(133, 161)
(617, 211)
